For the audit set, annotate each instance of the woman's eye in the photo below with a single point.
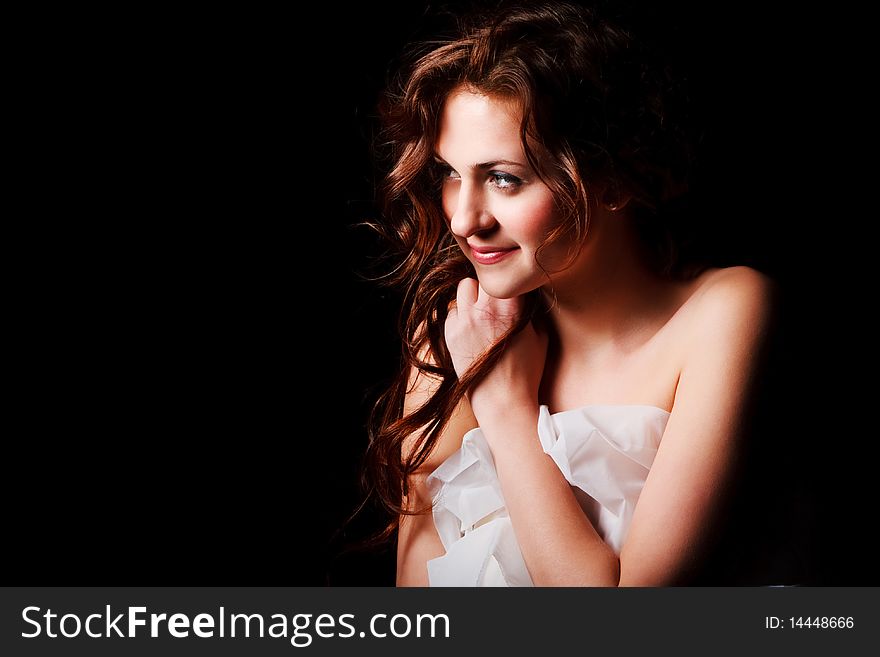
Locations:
(504, 180)
(446, 172)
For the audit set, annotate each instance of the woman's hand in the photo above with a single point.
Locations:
(474, 325)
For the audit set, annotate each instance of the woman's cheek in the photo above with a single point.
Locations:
(536, 219)
(447, 202)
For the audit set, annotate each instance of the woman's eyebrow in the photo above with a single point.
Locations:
(484, 165)
(495, 163)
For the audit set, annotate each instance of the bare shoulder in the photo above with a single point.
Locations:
(733, 303)
(692, 477)
(732, 292)
(744, 279)
(421, 388)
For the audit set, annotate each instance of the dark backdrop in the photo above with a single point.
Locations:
(204, 354)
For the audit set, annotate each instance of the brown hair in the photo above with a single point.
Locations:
(597, 108)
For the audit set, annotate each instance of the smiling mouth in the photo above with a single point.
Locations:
(491, 255)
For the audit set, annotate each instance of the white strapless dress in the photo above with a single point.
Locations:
(605, 453)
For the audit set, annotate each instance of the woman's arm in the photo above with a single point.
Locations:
(690, 474)
(417, 538)
(558, 542)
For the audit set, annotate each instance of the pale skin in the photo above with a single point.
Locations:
(623, 335)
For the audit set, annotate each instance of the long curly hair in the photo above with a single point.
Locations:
(598, 108)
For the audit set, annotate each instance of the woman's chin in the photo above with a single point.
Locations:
(505, 289)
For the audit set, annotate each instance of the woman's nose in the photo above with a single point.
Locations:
(468, 211)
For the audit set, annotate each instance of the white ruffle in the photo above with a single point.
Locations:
(605, 452)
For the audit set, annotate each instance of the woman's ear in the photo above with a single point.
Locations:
(613, 199)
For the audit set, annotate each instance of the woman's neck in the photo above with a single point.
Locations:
(609, 301)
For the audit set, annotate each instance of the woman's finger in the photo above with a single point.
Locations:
(498, 307)
(466, 295)
(483, 299)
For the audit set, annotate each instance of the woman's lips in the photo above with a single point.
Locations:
(489, 255)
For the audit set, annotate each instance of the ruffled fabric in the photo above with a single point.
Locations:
(605, 452)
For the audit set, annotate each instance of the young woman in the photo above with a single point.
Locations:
(575, 397)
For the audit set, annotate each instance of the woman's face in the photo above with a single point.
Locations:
(498, 209)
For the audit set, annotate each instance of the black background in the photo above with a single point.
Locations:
(198, 354)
